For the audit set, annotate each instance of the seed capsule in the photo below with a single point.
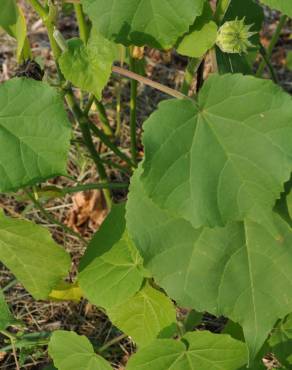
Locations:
(233, 37)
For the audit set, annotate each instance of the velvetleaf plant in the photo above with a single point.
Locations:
(207, 223)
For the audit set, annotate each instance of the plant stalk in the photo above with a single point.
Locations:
(82, 24)
(83, 123)
(272, 44)
(267, 61)
(52, 219)
(133, 112)
(191, 70)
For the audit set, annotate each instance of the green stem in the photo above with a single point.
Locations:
(191, 69)
(105, 139)
(112, 342)
(133, 112)
(85, 187)
(52, 219)
(272, 44)
(103, 118)
(267, 61)
(82, 24)
(39, 8)
(221, 10)
(83, 122)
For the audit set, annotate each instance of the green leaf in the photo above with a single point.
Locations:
(34, 133)
(9, 13)
(281, 341)
(284, 6)
(236, 271)
(116, 273)
(33, 257)
(197, 350)
(139, 22)
(289, 60)
(224, 157)
(71, 351)
(201, 36)
(88, 66)
(6, 317)
(145, 315)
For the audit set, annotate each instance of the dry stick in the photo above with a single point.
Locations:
(156, 85)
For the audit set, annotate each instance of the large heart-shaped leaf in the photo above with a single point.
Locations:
(34, 133)
(145, 316)
(115, 273)
(223, 157)
(236, 271)
(198, 350)
(139, 22)
(33, 257)
(71, 351)
(89, 66)
(285, 6)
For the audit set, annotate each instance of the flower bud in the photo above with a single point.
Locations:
(233, 37)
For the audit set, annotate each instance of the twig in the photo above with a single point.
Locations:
(144, 80)
(51, 218)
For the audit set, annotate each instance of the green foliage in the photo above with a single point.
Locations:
(231, 262)
(89, 66)
(225, 170)
(283, 6)
(74, 352)
(6, 317)
(200, 37)
(207, 224)
(35, 133)
(139, 22)
(116, 273)
(201, 350)
(145, 316)
(281, 341)
(30, 253)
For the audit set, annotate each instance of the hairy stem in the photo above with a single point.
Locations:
(191, 70)
(82, 24)
(272, 44)
(267, 61)
(83, 123)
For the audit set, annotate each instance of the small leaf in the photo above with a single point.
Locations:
(281, 341)
(116, 273)
(201, 36)
(224, 157)
(145, 315)
(284, 6)
(34, 133)
(200, 350)
(66, 292)
(6, 317)
(88, 66)
(143, 22)
(33, 257)
(71, 351)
